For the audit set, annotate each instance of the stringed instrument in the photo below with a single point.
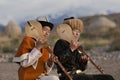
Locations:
(65, 32)
(37, 30)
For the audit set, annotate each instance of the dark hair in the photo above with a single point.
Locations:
(69, 18)
(45, 23)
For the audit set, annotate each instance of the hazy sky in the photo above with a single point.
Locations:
(22, 10)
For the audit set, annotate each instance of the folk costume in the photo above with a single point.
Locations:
(72, 60)
(33, 62)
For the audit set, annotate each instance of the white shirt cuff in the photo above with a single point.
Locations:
(32, 59)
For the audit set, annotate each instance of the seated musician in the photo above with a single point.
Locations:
(34, 59)
(66, 49)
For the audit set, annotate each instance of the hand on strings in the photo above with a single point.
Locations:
(50, 61)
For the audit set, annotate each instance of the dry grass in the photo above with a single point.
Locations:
(4, 40)
(91, 43)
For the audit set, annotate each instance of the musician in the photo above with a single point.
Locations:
(35, 61)
(71, 58)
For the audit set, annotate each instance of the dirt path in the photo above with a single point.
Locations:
(8, 71)
(109, 61)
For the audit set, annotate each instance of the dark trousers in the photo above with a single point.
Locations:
(89, 77)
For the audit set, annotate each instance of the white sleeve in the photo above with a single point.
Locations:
(32, 58)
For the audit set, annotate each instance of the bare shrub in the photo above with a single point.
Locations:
(7, 49)
(115, 44)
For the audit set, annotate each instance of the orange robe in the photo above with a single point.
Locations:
(29, 73)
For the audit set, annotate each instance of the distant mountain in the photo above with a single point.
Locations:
(1, 27)
(22, 25)
(114, 17)
(58, 19)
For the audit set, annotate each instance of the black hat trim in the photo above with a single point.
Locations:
(44, 23)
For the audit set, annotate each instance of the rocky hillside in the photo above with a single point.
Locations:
(114, 17)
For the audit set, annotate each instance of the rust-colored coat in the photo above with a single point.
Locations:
(29, 73)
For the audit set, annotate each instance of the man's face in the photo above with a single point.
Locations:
(46, 31)
(76, 33)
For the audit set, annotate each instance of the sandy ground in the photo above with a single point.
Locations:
(110, 63)
(8, 71)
